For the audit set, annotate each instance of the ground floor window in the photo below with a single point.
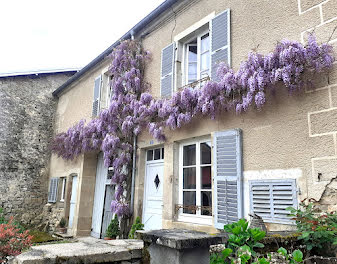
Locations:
(195, 178)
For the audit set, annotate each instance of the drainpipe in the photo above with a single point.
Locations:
(133, 161)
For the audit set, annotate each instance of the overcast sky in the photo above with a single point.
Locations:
(45, 34)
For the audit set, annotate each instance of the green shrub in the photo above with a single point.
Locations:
(63, 222)
(2, 218)
(136, 226)
(113, 229)
(319, 230)
(241, 242)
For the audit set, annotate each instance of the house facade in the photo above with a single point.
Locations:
(210, 172)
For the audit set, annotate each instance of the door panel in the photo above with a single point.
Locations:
(107, 214)
(97, 213)
(153, 202)
(73, 201)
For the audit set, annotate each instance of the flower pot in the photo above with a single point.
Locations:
(63, 230)
(109, 238)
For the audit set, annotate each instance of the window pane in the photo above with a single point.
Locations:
(204, 43)
(206, 177)
(189, 155)
(206, 200)
(189, 199)
(156, 154)
(205, 153)
(192, 71)
(204, 61)
(189, 176)
(162, 153)
(150, 155)
(192, 53)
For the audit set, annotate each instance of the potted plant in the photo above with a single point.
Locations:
(62, 225)
(113, 229)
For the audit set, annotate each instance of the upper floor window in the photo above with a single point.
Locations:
(102, 93)
(194, 54)
(197, 58)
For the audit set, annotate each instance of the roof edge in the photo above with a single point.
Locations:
(37, 72)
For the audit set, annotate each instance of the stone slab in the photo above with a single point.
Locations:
(86, 250)
(180, 239)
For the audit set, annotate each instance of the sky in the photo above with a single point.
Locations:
(62, 34)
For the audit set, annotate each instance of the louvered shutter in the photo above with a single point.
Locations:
(269, 199)
(220, 41)
(227, 177)
(167, 70)
(52, 195)
(97, 91)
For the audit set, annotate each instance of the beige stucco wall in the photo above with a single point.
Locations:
(75, 104)
(292, 136)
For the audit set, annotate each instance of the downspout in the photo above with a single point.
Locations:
(133, 161)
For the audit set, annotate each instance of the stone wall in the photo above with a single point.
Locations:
(27, 110)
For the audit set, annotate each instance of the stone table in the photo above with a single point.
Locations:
(177, 246)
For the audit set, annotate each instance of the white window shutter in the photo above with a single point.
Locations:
(270, 198)
(167, 70)
(220, 41)
(52, 195)
(97, 93)
(227, 177)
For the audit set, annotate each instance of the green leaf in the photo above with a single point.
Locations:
(226, 252)
(263, 261)
(258, 245)
(298, 255)
(282, 251)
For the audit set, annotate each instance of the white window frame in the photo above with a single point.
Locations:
(186, 44)
(194, 218)
(63, 190)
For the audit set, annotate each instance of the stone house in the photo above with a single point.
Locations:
(26, 126)
(280, 155)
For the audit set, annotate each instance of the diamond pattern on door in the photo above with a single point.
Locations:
(157, 181)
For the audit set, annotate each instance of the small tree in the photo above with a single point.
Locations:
(63, 222)
(136, 226)
(113, 229)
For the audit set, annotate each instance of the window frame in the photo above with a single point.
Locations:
(63, 190)
(197, 34)
(195, 218)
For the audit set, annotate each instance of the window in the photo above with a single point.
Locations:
(52, 195)
(195, 181)
(102, 93)
(197, 58)
(155, 154)
(63, 191)
(269, 199)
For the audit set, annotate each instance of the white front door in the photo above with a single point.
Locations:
(73, 201)
(153, 197)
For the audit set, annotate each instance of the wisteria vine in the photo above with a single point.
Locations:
(133, 109)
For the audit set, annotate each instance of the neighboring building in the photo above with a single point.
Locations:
(26, 126)
(288, 151)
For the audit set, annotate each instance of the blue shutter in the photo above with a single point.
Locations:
(52, 195)
(167, 71)
(220, 41)
(227, 177)
(96, 101)
(270, 198)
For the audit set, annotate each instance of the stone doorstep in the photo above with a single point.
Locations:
(86, 250)
(181, 239)
(62, 235)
